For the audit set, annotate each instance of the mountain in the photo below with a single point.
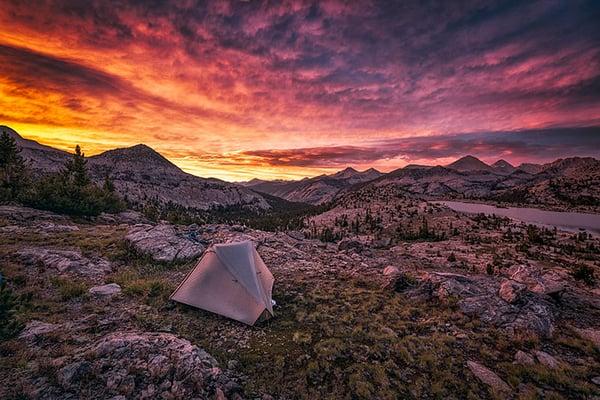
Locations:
(40, 158)
(469, 163)
(531, 168)
(564, 183)
(503, 167)
(317, 190)
(141, 174)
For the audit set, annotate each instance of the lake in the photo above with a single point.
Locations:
(570, 221)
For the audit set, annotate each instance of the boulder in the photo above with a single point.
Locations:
(350, 244)
(511, 291)
(479, 296)
(64, 261)
(391, 270)
(489, 377)
(546, 359)
(164, 243)
(381, 243)
(537, 280)
(147, 365)
(523, 358)
(105, 290)
(73, 373)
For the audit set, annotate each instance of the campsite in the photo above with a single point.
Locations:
(299, 200)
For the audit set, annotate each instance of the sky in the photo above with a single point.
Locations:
(287, 89)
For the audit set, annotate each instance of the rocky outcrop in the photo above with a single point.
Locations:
(489, 377)
(164, 243)
(512, 292)
(546, 359)
(479, 296)
(105, 290)
(523, 358)
(35, 329)
(64, 261)
(145, 365)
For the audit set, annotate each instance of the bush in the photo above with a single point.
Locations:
(584, 273)
(72, 192)
(9, 325)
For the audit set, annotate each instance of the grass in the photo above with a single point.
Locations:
(333, 336)
(69, 289)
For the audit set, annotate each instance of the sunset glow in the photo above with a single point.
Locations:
(245, 89)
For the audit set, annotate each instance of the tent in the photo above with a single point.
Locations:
(232, 280)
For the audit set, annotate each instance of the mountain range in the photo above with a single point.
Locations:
(318, 190)
(141, 174)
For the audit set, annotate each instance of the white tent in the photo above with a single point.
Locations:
(232, 280)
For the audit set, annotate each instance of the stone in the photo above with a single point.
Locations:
(105, 290)
(381, 243)
(523, 358)
(163, 243)
(489, 377)
(150, 365)
(350, 244)
(64, 261)
(71, 374)
(391, 270)
(34, 329)
(511, 291)
(219, 395)
(546, 359)
(596, 380)
(479, 296)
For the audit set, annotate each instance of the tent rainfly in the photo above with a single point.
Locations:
(232, 280)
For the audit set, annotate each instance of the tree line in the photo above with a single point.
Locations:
(68, 191)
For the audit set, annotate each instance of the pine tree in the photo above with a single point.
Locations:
(76, 169)
(12, 168)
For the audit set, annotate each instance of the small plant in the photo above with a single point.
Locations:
(452, 257)
(489, 269)
(584, 273)
(69, 289)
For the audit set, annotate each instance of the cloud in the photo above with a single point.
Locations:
(224, 77)
(541, 145)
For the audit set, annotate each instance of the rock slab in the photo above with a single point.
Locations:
(489, 377)
(164, 243)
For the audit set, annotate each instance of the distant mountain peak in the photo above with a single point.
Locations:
(469, 163)
(503, 167)
(502, 164)
(347, 172)
(136, 153)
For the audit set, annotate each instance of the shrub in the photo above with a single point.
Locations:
(584, 273)
(72, 192)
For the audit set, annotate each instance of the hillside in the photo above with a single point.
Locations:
(140, 174)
